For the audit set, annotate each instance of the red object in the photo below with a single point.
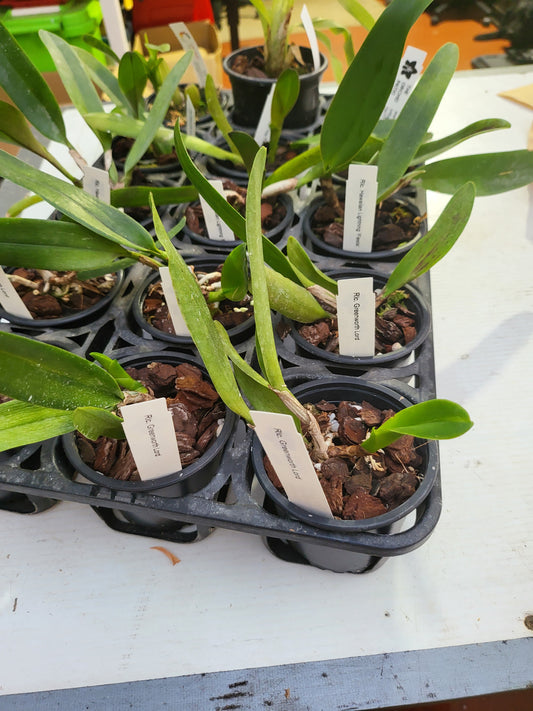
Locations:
(153, 13)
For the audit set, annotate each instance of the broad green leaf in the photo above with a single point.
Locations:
(155, 118)
(290, 299)
(94, 422)
(434, 148)
(491, 173)
(78, 204)
(217, 112)
(114, 368)
(246, 146)
(201, 325)
(299, 258)
(28, 90)
(24, 423)
(132, 78)
(434, 419)
(104, 79)
(436, 242)
(57, 245)
(45, 375)
(139, 195)
(234, 279)
(359, 12)
(286, 92)
(409, 129)
(367, 84)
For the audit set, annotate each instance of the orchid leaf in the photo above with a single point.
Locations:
(336, 64)
(286, 92)
(436, 242)
(300, 259)
(434, 419)
(246, 146)
(139, 195)
(114, 368)
(217, 112)
(104, 79)
(45, 375)
(359, 12)
(25, 423)
(234, 279)
(132, 78)
(93, 422)
(101, 46)
(291, 299)
(434, 148)
(296, 165)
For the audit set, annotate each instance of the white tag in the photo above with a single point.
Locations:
(96, 183)
(190, 117)
(408, 74)
(356, 316)
(187, 41)
(262, 132)
(150, 433)
(360, 208)
(180, 327)
(288, 455)
(10, 299)
(216, 228)
(309, 28)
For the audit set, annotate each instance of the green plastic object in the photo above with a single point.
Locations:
(70, 21)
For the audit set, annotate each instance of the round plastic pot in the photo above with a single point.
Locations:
(237, 334)
(72, 320)
(325, 556)
(320, 247)
(250, 93)
(351, 365)
(189, 480)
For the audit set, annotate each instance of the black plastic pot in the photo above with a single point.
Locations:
(317, 244)
(250, 93)
(350, 365)
(237, 334)
(189, 480)
(385, 525)
(14, 501)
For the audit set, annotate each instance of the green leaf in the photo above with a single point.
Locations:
(28, 90)
(434, 419)
(286, 92)
(409, 129)
(78, 204)
(139, 195)
(101, 46)
(104, 79)
(290, 299)
(296, 165)
(114, 368)
(434, 148)
(246, 146)
(359, 12)
(24, 423)
(491, 173)
(39, 373)
(217, 112)
(234, 279)
(336, 64)
(132, 78)
(299, 259)
(93, 422)
(368, 82)
(436, 242)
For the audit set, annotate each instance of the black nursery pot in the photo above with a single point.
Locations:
(250, 93)
(320, 247)
(189, 480)
(237, 334)
(328, 557)
(350, 365)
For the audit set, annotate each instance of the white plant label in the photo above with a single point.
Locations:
(262, 132)
(174, 311)
(288, 455)
(356, 315)
(360, 208)
(190, 117)
(10, 299)
(309, 28)
(152, 439)
(215, 226)
(408, 74)
(96, 183)
(187, 41)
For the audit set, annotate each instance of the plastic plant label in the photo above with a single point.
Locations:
(190, 117)
(10, 299)
(174, 311)
(96, 183)
(356, 316)
(182, 32)
(360, 208)
(214, 224)
(288, 455)
(309, 28)
(262, 132)
(408, 74)
(151, 436)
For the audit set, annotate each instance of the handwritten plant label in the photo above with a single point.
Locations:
(174, 311)
(356, 315)
(309, 28)
(10, 299)
(288, 455)
(360, 208)
(216, 227)
(408, 74)
(262, 132)
(190, 117)
(96, 183)
(152, 439)
(187, 41)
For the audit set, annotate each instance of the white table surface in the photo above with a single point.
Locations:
(82, 605)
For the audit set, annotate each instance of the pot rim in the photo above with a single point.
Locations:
(267, 81)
